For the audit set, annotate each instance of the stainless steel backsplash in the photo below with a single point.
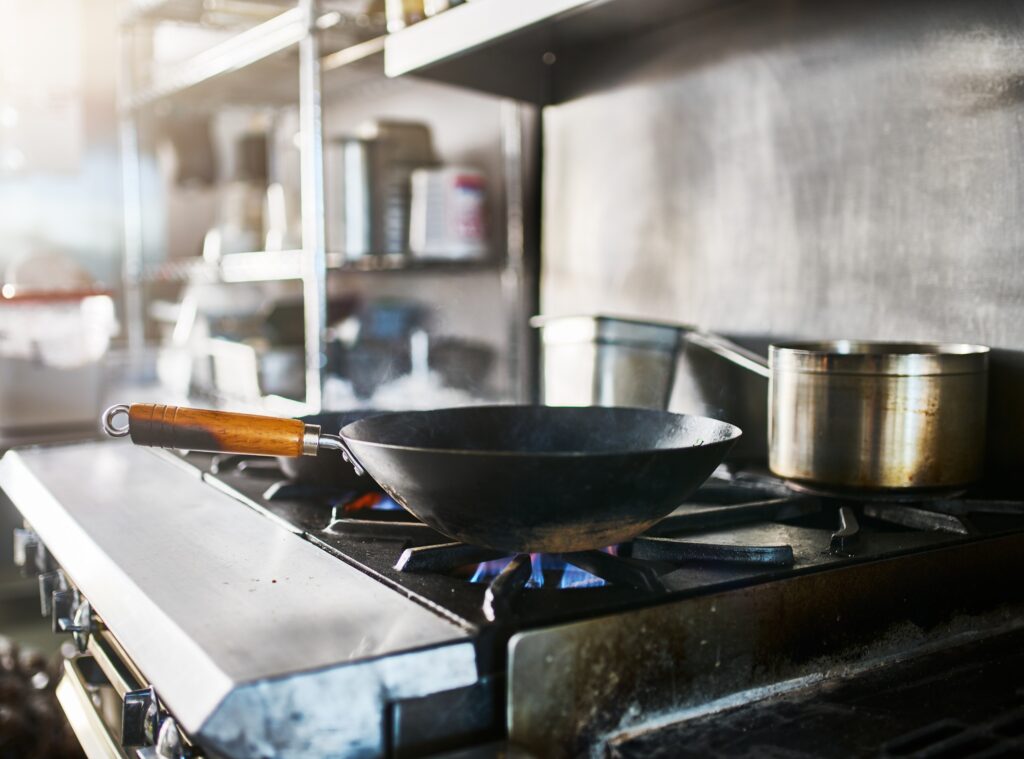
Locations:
(800, 169)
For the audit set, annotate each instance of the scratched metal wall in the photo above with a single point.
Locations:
(799, 169)
(787, 167)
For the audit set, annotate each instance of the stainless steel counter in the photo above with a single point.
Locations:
(253, 636)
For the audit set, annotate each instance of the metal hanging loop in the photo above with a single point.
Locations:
(108, 420)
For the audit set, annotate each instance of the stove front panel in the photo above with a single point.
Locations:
(572, 685)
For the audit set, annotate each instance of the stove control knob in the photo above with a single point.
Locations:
(137, 715)
(62, 609)
(169, 743)
(154, 715)
(29, 553)
(50, 583)
(82, 626)
(72, 614)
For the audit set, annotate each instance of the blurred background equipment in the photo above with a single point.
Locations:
(240, 222)
(376, 169)
(607, 361)
(32, 725)
(55, 328)
(448, 213)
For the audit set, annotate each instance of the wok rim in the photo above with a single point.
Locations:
(735, 433)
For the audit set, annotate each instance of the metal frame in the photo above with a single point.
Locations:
(314, 239)
(131, 194)
(302, 26)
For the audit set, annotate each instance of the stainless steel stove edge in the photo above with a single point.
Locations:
(333, 713)
(234, 660)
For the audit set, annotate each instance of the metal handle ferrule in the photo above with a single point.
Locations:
(311, 440)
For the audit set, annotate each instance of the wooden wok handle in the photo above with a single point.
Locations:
(215, 431)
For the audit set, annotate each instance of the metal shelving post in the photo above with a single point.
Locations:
(519, 292)
(133, 309)
(314, 244)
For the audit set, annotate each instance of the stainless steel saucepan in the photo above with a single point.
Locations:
(871, 415)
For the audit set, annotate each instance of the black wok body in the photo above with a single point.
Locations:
(537, 478)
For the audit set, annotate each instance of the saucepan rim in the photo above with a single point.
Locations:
(914, 359)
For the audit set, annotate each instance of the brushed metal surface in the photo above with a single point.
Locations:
(800, 169)
(879, 357)
(877, 415)
(240, 625)
(607, 361)
(572, 686)
(875, 419)
(873, 415)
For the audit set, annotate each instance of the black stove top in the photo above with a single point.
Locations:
(741, 528)
(751, 588)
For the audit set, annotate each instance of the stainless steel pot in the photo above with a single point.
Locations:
(607, 361)
(871, 415)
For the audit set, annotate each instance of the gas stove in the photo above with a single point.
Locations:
(379, 636)
(739, 528)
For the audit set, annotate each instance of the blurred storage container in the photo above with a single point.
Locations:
(370, 215)
(607, 361)
(51, 350)
(448, 214)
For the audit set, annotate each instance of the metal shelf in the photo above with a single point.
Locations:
(265, 266)
(260, 65)
(305, 55)
(530, 50)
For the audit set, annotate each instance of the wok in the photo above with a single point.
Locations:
(511, 478)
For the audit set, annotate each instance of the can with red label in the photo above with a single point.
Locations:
(448, 214)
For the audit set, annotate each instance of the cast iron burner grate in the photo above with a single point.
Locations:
(730, 525)
(279, 486)
(637, 564)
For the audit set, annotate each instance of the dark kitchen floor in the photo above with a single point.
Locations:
(32, 724)
(963, 702)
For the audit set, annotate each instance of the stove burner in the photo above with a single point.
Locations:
(582, 569)
(549, 570)
(371, 501)
(739, 526)
(572, 570)
(636, 565)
